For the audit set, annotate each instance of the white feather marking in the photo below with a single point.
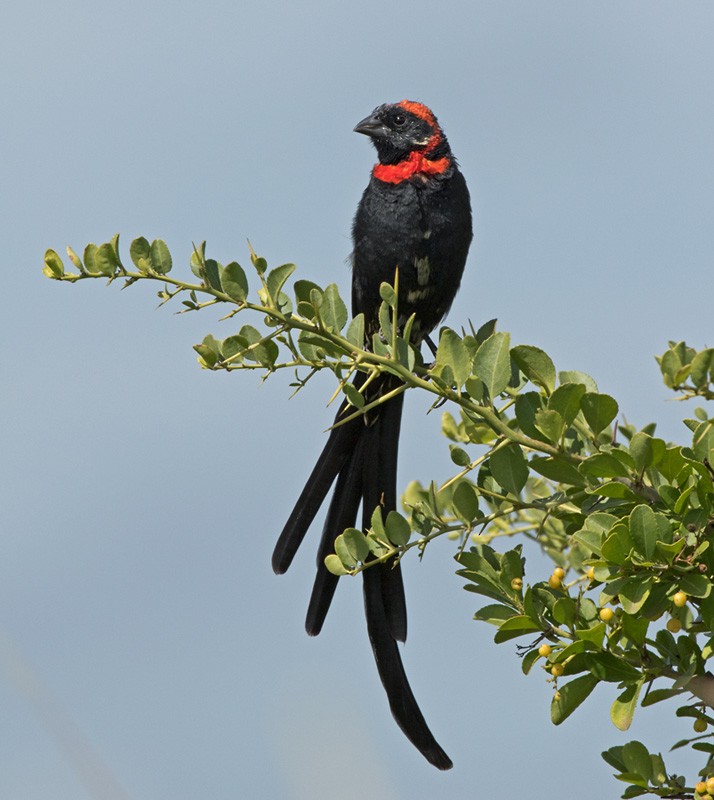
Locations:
(422, 268)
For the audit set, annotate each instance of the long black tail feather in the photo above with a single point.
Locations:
(376, 587)
(341, 514)
(362, 455)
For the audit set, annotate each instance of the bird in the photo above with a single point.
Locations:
(414, 216)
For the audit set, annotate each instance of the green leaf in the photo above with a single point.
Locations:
(702, 367)
(643, 530)
(335, 566)
(599, 410)
(637, 759)
(160, 257)
(494, 614)
(140, 253)
(603, 465)
(595, 635)
(703, 441)
(356, 543)
(634, 592)
(453, 353)
(566, 401)
(536, 365)
(355, 331)
(608, 667)
(355, 397)
(557, 469)
(695, 585)
(465, 501)
(105, 260)
(657, 695)
(641, 450)
(54, 268)
(573, 376)
(90, 259)
(276, 280)
(459, 456)
(262, 352)
(617, 546)
(397, 529)
(234, 281)
(387, 293)
(333, 311)
(550, 424)
(570, 696)
(486, 330)
(509, 468)
(492, 363)
(514, 627)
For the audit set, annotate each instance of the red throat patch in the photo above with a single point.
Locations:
(416, 164)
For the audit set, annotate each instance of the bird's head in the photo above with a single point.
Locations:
(399, 130)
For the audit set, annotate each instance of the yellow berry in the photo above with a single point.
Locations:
(545, 650)
(590, 574)
(554, 582)
(606, 615)
(517, 584)
(680, 599)
(557, 670)
(674, 625)
(700, 725)
(700, 788)
(559, 572)
(710, 785)
(556, 697)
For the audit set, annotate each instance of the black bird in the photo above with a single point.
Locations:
(415, 214)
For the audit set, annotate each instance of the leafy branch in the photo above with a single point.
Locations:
(626, 517)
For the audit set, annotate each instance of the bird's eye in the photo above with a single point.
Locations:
(399, 120)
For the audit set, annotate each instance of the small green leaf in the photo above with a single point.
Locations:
(637, 759)
(599, 410)
(557, 469)
(573, 376)
(90, 259)
(465, 501)
(234, 282)
(492, 363)
(603, 465)
(356, 543)
(105, 260)
(54, 268)
(453, 353)
(397, 529)
(160, 257)
(140, 253)
(608, 667)
(333, 311)
(355, 397)
(566, 401)
(509, 468)
(387, 293)
(550, 424)
(536, 365)
(355, 331)
(335, 566)
(617, 546)
(276, 278)
(514, 627)
(643, 530)
(459, 456)
(570, 696)
(494, 614)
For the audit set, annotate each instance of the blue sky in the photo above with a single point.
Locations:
(146, 649)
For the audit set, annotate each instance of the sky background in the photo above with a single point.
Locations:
(147, 651)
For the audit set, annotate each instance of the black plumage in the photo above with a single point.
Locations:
(414, 215)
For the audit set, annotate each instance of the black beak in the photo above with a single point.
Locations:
(372, 126)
